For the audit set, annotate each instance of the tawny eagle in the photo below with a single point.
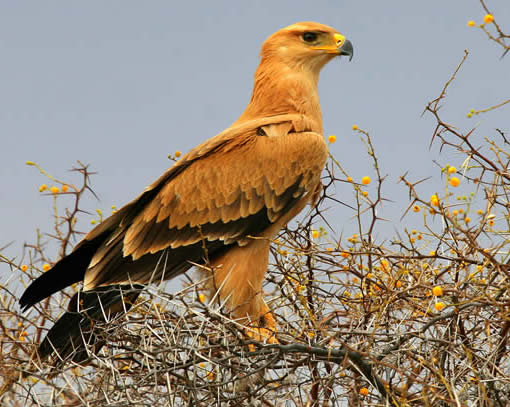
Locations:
(219, 205)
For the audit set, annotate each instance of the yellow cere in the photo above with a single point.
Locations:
(332, 49)
(339, 38)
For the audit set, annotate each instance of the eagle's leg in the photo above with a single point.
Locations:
(238, 277)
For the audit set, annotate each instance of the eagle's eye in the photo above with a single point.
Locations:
(309, 36)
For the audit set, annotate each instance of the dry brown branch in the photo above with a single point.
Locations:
(419, 319)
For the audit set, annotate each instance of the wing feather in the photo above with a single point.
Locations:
(233, 186)
(247, 179)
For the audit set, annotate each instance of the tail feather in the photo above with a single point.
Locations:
(67, 271)
(75, 334)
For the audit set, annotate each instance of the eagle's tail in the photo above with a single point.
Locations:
(78, 332)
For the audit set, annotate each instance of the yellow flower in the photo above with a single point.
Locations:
(93, 222)
(439, 306)
(398, 284)
(364, 391)
(432, 253)
(455, 212)
(332, 138)
(345, 254)
(54, 190)
(452, 170)
(454, 181)
(64, 188)
(467, 219)
(365, 180)
(24, 267)
(30, 163)
(489, 18)
(46, 267)
(434, 200)
(416, 208)
(178, 153)
(311, 334)
(479, 212)
(43, 187)
(437, 291)
(471, 23)
(365, 193)
(490, 222)
(201, 298)
(315, 234)
(354, 127)
(348, 179)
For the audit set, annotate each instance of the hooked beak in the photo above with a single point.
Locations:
(346, 49)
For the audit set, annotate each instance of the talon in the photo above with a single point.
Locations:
(264, 333)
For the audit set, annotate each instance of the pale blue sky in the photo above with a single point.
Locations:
(120, 84)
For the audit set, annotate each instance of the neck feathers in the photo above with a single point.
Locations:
(281, 88)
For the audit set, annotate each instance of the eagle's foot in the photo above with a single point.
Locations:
(264, 332)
